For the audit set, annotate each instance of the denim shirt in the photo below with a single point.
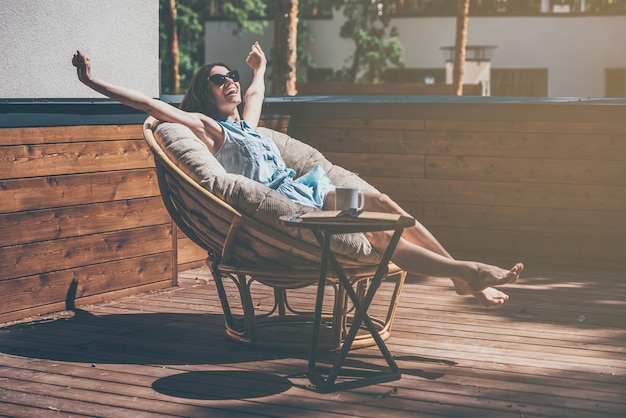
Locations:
(256, 157)
(252, 155)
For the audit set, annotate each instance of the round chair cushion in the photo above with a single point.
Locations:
(262, 203)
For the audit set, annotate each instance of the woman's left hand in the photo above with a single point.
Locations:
(83, 66)
(256, 58)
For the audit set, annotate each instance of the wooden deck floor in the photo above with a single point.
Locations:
(557, 349)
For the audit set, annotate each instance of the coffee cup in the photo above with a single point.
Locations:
(347, 198)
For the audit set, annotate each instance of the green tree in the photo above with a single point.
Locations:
(248, 15)
(178, 42)
(187, 39)
(376, 44)
(606, 6)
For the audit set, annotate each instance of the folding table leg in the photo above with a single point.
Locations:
(328, 384)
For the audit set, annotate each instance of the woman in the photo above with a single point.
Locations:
(210, 110)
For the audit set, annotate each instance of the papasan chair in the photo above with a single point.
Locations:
(236, 220)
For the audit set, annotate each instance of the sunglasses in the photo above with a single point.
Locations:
(219, 79)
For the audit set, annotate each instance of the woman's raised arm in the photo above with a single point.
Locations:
(255, 94)
(154, 107)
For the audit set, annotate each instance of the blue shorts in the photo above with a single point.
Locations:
(310, 189)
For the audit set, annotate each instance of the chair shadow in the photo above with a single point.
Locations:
(139, 338)
(153, 338)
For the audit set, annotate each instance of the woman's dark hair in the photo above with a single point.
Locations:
(198, 97)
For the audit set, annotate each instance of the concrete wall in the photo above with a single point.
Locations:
(575, 49)
(38, 38)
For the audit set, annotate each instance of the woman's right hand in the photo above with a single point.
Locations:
(83, 66)
(256, 58)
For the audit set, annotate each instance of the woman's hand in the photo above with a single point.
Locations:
(256, 92)
(256, 58)
(83, 66)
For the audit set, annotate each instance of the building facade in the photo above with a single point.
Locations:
(549, 54)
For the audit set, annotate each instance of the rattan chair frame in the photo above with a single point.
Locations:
(242, 321)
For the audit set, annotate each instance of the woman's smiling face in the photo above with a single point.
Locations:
(227, 95)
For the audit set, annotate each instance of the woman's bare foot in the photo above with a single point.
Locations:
(488, 298)
(485, 276)
(491, 297)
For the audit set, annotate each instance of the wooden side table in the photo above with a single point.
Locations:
(324, 227)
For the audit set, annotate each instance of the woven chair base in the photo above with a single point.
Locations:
(260, 311)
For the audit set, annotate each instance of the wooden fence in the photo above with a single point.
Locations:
(81, 219)
(493, 179)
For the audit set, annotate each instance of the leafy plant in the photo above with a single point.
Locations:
(377, 46)
(190, 56)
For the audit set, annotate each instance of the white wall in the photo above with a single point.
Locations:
(39, 37)
(575, 49)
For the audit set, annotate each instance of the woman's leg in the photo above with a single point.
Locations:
(379, 202)
(418, 234)
(418, 260)
(421, 237)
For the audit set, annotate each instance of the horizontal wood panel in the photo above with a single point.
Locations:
(366, 141)
(279, 123)
(385, 165)
(81, 282)
(545, 259)
(608, 173)
(511, 169)
(54, 191)
(40, 310)
(557, 145)
(189, 252)
(413, 207)
(76, 157)
(573, 126)
(451, 125)
(57, 134)
(561, 181)
(30, 259)
(79, 203)
(192, 264)
(574, 247)
(527, 219)
(302, 123)
(56, 223)
(584, 197)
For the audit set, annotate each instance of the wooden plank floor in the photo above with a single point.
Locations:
(557, 349)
